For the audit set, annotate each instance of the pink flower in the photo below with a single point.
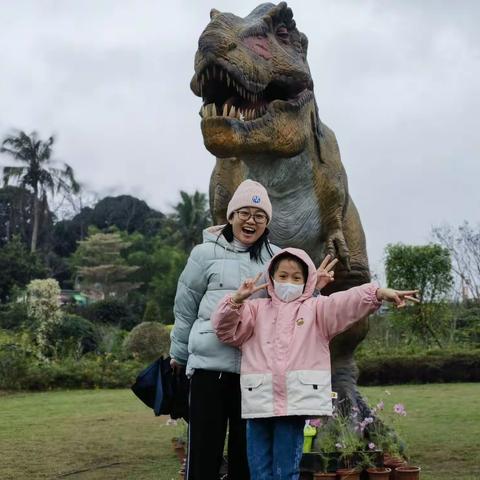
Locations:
(399, 409)
(371, 446)
(340, 445)
(368, 420)
(380, 405)
(316, 422)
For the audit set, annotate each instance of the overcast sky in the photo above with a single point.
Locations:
(397, 81)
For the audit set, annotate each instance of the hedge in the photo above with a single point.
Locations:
(420, 368)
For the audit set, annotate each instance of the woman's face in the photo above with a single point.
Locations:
(248, 224)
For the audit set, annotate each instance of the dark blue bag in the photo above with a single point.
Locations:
(162, 389)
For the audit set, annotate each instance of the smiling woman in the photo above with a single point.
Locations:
(230, 254)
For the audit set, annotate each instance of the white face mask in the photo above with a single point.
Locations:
(288, 291)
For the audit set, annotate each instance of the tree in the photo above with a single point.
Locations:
(17, 267)
(463, 245)
(43, 306)
(16, 213)
(101, 270)
(160, 266)
(191, 217)
(428, 269)
(36, 172)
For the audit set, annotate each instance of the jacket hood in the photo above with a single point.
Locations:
(213, 234)
(312, 273)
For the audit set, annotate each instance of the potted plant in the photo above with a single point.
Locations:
(407, 472)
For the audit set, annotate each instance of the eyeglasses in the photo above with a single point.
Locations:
(258, 217)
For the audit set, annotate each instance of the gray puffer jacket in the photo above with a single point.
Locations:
(213, 269)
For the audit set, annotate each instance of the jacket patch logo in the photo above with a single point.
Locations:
(300, 322)
(256, 199)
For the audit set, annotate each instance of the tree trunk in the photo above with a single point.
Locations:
(36, 217)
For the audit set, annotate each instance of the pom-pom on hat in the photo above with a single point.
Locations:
(250, 194)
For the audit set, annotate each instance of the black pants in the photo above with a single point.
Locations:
(215, 401)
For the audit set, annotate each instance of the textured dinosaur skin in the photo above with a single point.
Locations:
(260, 119)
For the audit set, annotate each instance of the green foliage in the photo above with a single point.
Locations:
(191, 217)
(111, 311)
(110, 340)
(428, 269)
(437, 366)
(152, 312)
(13, 316)
(14, 365)
(148, 341)
(160, 266)
(36, 173)
(101, 269)
(17, 267)
(423, 267)
(73, 336)
(43, 308)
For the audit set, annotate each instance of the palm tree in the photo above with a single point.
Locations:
(36, 172)
(191, 216)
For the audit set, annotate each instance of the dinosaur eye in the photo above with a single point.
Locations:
(282, 32)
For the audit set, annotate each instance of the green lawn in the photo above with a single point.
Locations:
(109, 434)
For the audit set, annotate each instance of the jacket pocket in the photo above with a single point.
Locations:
(309, 391)
(257, 394)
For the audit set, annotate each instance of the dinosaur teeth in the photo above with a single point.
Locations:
(225, 110)
(232, 112)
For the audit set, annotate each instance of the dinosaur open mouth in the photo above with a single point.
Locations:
(224, 95)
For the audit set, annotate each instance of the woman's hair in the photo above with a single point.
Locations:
(255, 250)
(288, 256)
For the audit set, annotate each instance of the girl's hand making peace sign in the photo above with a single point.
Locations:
(248, 288)
(325, 273)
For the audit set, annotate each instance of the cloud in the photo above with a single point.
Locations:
(396, 81)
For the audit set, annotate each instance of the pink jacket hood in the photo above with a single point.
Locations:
(311, 279)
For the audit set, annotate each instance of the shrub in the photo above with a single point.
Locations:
(436, 367)
(13, 315)
(110, 311)
(14, 365)
(148, 341)
(73, 335)
(111, 340)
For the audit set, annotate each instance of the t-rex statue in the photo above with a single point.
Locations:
(260, 119)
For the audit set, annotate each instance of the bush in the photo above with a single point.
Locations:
(109, 312)
(73, 335)
(111, 340)
(14, 364)
(99, 372)
(148, 341)
(436, 367)
(13, 315)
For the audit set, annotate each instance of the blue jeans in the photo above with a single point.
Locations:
(274, 447)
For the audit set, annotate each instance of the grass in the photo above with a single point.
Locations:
(109, 434)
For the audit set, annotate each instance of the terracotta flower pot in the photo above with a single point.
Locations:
(379, 473)
(393, 463)
(348, 474)
(325, 475)
(407, 472)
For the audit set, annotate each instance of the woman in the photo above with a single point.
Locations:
(228, 255)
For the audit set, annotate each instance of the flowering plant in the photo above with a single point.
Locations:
(357, 439)
(382, 431)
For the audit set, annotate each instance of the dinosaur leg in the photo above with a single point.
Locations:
(226, 176)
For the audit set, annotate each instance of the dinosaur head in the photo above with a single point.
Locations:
(253, 76)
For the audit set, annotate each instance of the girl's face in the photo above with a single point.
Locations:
(289, 271)
(248, 224)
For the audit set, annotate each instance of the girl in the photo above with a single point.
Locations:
(285, 370)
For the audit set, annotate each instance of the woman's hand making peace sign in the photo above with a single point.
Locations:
(248, 288)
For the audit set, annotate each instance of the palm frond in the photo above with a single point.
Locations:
(12, 172)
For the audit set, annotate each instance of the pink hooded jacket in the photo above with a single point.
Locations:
(285, 366)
